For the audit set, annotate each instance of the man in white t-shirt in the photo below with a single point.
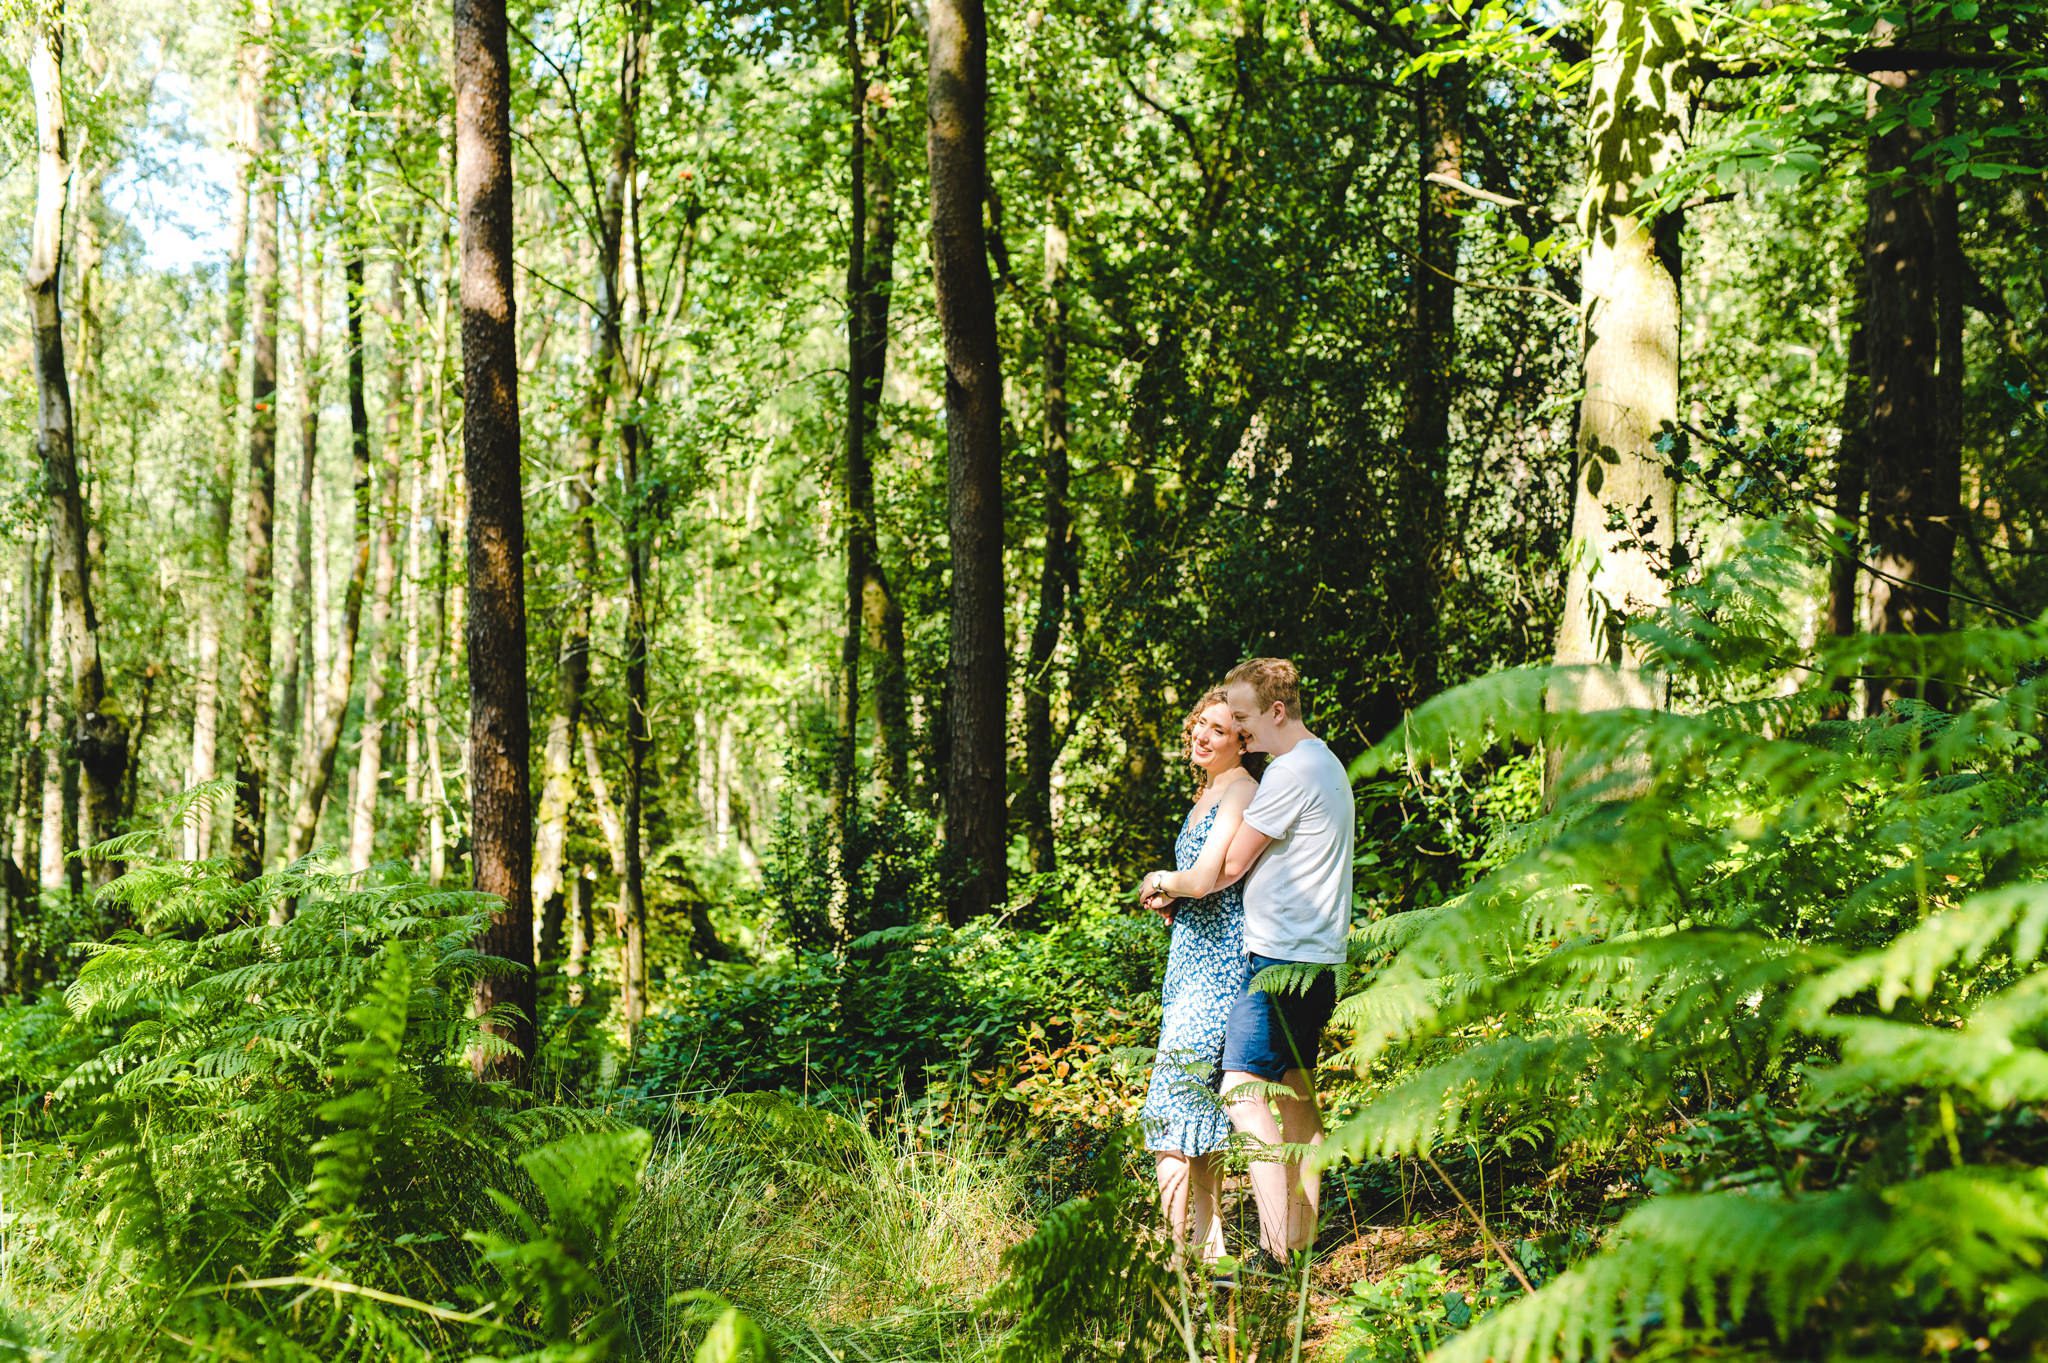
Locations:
(1294, 848)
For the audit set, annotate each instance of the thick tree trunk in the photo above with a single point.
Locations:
(1631, 300)
(99, 742)
(252, 738)
(956, 148)
(1432, 346)
(501, 814)
(1040, 751)
(1911, 437)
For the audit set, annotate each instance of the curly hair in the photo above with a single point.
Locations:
(1215, 695)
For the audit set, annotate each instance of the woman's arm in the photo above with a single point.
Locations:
(1211, 871)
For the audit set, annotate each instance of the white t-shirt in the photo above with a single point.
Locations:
(1297, 897)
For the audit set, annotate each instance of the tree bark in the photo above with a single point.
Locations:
(572, 671)
(1432, 347)
(843, 808)
(252, 737)
(99, 741)
(956, 148)
(294, 693)
(1911, 436)
(219, 479)
(331, 705)
(1040, 750)
(1631, 300)
(501, 814)
(362, 839)
(1851, 466)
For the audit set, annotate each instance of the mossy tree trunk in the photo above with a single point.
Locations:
(1624, 497)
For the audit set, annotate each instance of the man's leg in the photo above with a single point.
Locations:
(1270, 1179)
(1303, 1125)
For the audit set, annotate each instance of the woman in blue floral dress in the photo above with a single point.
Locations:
(1185, 1124)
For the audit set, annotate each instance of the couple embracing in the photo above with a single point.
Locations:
(1262, 878)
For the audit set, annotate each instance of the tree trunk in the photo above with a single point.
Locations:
(362, 839)
(1040, 752)
(843, 807)
(1631, 301)
(956, 148)
(99, 742)
(331, 706)
(252, 738)
(25, 842)
(1432, 346)
(219, 480)
(1911, 435)
(572, 673)
(501, 814)
(1851, 466)
(294, 693)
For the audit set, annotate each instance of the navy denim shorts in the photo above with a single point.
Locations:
(1273, 1031)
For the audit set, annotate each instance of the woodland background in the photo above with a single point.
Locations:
(603, 826)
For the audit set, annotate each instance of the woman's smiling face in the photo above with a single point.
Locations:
(1213, 742)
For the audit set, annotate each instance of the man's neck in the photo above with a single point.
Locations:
(1292, 734)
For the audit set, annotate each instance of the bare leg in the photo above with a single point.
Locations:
(1304, 1126)
(1287, 1208)
(1269, 1178)
(1205, 1222)
(1174, 1183)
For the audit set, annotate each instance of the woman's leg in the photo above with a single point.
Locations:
(1205, 1211)
(1172, 1168)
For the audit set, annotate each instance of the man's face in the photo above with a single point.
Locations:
(1261, 726)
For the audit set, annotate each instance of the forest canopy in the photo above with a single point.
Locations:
(604, 594)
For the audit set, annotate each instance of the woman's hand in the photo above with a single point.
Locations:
(1154, 896)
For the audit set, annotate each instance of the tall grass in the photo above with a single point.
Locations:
(847, 1243)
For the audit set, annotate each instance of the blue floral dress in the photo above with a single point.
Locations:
(1206, 971)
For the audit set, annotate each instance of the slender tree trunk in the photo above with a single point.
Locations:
(1432, 343)
(219, 480)
(572, 675)
(843, 807)
(957, 150)
(1911, 436)
(362, 840)
(99, 741)
(331, 706)
(501, 813)
(35, 627)
(1035, 800)
(294, 693)
(1851, 466)
(252, 740)
(1631, 299)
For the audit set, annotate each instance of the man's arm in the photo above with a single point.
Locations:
(1247, 845)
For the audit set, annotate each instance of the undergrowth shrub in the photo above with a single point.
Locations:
(1043, 1033)
(1786, 961)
